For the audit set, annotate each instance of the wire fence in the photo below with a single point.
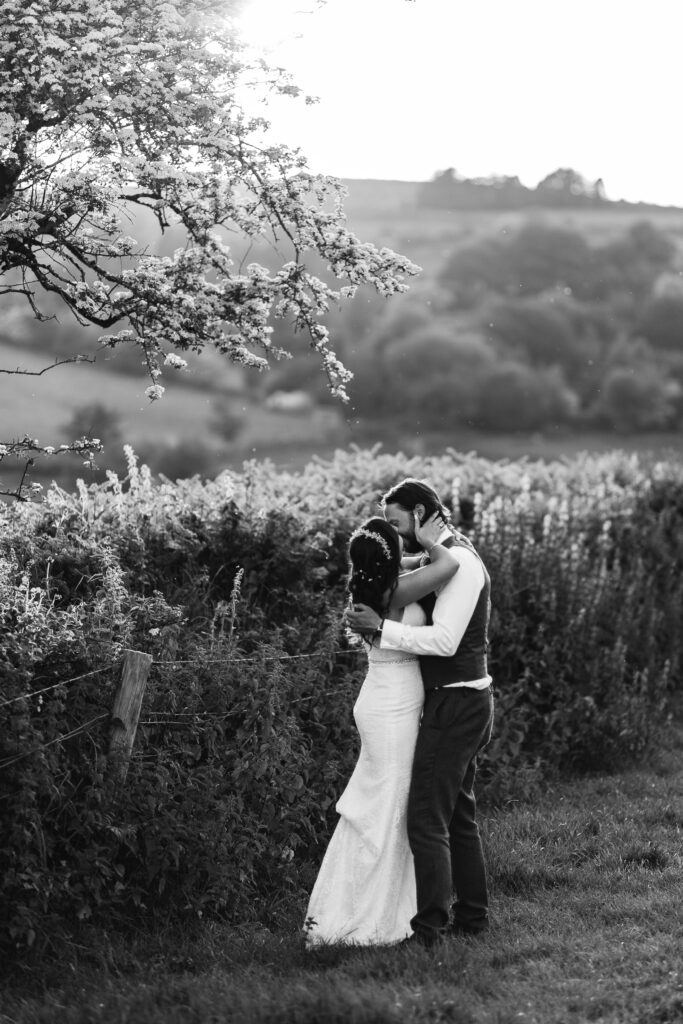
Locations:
(255, 658)
(182, 661)
(57, 739)
(167, 717)
(62, 682)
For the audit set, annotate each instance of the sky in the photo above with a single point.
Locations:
(407, 88)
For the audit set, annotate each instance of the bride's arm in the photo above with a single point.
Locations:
(424, 579)
(413, 585)
(410, 562)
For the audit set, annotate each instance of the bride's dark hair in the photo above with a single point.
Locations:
(375, 555)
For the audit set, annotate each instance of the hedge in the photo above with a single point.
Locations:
(236, 587)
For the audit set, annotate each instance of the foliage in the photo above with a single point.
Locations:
(639, 397)
(661, 322)
(539, 257)
(513, 396)
(529, 261)
(563, 187)
(115, 113)
(599, 855)
(95, 419)
(531, 327)
(236, 587)
(227, 421)
(431, 377)
(185, 458)
(539, 331)
(441, 377)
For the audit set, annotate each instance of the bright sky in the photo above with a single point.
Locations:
(409, 87)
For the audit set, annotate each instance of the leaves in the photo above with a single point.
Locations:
(247, 737)
(115, 107)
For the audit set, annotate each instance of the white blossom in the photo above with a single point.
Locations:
(176, 361)
(109, 124)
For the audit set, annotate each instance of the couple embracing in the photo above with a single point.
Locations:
(405, 862)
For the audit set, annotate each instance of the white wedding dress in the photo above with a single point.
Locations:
(365, 890)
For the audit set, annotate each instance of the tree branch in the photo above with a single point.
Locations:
(59, 362)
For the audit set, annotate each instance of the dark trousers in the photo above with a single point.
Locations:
(449, 862)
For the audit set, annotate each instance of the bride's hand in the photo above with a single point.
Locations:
(429, 532)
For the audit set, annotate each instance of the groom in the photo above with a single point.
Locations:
(456, 724)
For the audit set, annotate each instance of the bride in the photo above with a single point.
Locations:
(365, 890)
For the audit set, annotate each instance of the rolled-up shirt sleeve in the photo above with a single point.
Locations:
(455, 604)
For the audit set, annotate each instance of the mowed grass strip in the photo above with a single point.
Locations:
(587, 907)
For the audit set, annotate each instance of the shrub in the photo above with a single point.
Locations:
(633, 263)
(540, 257)
(184, 458)
(409, 316)
(246, 739)
(638, 397)
(431, 376)
(661, 322)
(227, 419)
(535, 330)
(533, 259)
(94, 419)
(513, 396)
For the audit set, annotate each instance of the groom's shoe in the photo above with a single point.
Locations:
(457, 930)
(420, 939)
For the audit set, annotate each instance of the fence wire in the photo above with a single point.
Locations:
(57, 739)
(169, 717)
(62, 682)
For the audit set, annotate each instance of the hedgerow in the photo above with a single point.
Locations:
(236, 588)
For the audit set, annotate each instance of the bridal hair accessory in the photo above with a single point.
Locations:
(362, 532)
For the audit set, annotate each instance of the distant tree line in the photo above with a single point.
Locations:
(563, 187)
(532, 328)
(528, 329)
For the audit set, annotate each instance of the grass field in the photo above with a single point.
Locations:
(42, 406)
(293, 453)
(587, 926)
(383, 211)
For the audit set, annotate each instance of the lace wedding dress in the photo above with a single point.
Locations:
(365, 890)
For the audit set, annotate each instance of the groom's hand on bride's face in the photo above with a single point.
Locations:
(362, 619)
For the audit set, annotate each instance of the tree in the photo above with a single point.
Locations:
(432, 376)
(514, 396)
(534, 329)
(566, 185)
(639, 398)
(632, 263)
(94, 419)
(115, 109)
(661, 322)
(535, 258)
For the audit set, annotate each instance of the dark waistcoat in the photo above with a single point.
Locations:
(469, 661)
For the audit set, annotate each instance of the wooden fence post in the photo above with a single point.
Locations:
(126, 713)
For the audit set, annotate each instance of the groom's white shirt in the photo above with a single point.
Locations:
(455, 603)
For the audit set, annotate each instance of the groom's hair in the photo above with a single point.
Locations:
(411, 492)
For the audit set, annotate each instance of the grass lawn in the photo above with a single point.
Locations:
(43, 406)
(586, 886)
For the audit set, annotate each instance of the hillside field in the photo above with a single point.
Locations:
(384, 212)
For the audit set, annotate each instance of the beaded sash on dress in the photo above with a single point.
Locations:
(413, 615)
